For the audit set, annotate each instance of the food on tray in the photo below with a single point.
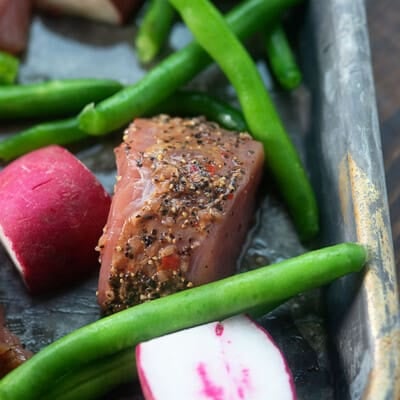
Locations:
(183, 202)
(15, 17)
(52, 210)
(173, 72)
(12, 352)
(233, 359)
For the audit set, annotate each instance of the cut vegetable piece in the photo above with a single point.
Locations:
(113, 12)
(234, 359)
(15, 16)
(52, 210)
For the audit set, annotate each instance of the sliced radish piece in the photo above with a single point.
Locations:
(52, 211)
(234, 359)
(15, 17)
(111, 11)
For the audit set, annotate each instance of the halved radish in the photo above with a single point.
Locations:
(234, 359)
(114, 12)
(52, 211)
(15, 17)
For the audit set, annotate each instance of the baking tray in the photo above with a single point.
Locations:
(341, 342)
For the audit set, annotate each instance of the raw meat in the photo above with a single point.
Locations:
(184, 199)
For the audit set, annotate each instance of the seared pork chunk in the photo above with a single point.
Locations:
(183, 202)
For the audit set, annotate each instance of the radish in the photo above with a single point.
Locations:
(52, 211)
(230, 360)
(15, 18)
(114, 12)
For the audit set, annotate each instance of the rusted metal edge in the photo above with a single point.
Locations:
(379, 289)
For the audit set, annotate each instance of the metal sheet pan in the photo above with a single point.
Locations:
(341, 342)
(364, 313)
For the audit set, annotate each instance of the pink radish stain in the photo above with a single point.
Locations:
(210, 389)
(219, 329)
(214, 392)
(245, 381)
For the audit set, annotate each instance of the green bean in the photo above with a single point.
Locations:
(265, 286)
(56, 98)
(9, 66)
(176, 70)
(154, 29)
(281, 58)
(96, 379)
(58, 132)
(193, 103)
(259, 111)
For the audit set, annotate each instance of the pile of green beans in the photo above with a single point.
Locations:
(259, 111)
(59, 132)
(182, 103)
(91, 345)
(175, 71)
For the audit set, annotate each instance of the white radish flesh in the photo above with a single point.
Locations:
(52, 211)
(234, 359)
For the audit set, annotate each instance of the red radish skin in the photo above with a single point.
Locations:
(52, 210)
(234, 359)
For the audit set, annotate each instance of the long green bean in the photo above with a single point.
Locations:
(58, 132)
(265, 286)
(56, 98)
(96, 379)
(281, 58)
